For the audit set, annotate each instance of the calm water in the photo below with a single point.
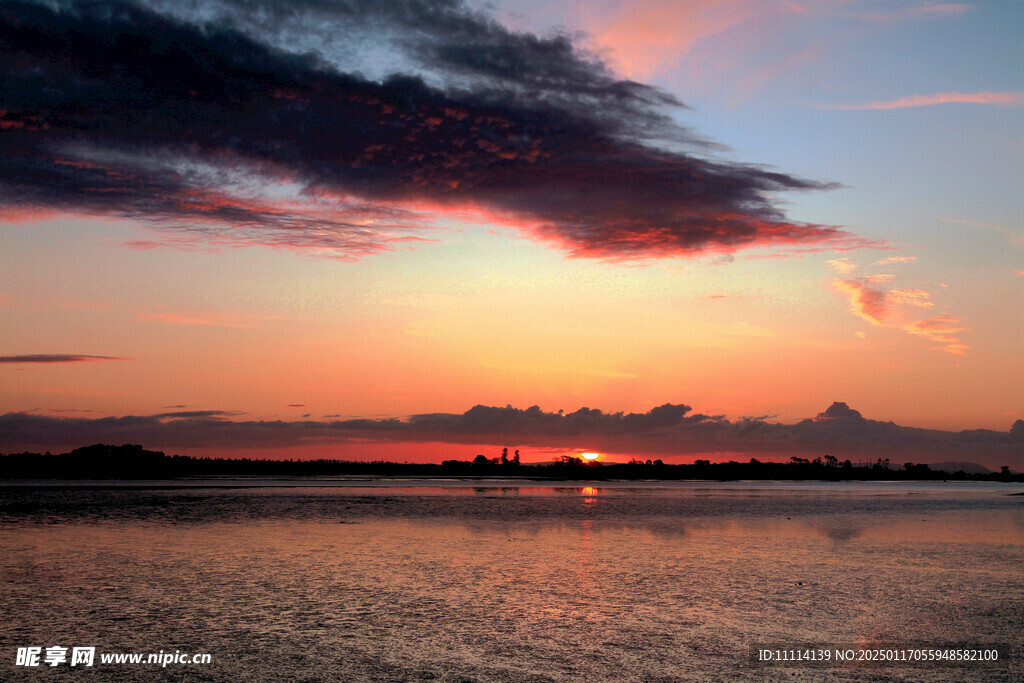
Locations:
(346, 580)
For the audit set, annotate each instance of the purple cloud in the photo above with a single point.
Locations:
(666, 431)
(215, 134)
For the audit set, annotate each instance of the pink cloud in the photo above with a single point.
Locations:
(910, 297)
(839, 243)
(892, 308)
(943, 330)
(896, 259)
(867, 303)
(28, 214)
(1002, 99)
(842, 265)
(645, 37)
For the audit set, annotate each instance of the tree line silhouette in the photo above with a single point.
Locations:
(132, 461)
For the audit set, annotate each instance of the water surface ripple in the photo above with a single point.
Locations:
(512, 582)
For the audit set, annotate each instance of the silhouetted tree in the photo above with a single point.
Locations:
(133, 462)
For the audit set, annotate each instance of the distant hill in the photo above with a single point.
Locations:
(968, 467)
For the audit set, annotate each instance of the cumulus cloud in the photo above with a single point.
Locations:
(204, 121)
(56, 358)
(838, 411)
(667, 430)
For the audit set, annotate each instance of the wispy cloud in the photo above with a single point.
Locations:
(214, 124)
(1001, 99)
(873, 299)
(915, 11)
(194, 414)
(733, 48)
(207, 319)
(842, 265)
(645, 36)
(56, 358)
(1015, 234)
(943, 330)
(865, 302)
(910, 297)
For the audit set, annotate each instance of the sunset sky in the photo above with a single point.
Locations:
(328, 228)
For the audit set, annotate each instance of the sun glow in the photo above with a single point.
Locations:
(590, 456)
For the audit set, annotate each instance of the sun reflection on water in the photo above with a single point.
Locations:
(578, 582)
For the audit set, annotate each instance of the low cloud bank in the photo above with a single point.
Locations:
(667, 431)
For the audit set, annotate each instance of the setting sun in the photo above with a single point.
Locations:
(590, 456)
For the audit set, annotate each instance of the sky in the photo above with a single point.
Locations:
(425, 229)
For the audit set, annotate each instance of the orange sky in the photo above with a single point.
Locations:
(856, 236)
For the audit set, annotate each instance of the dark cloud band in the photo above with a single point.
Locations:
(217, 134)
(668, 430)
(55, 358)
